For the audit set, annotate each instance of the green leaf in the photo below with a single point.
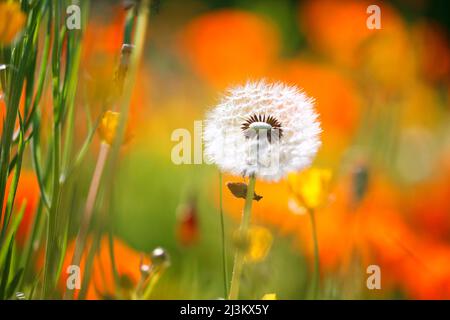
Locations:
(6, 271)
(10, 235)
(14, 283)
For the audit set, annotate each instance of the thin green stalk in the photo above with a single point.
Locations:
(38, 223)
(222, 229)
(86, 272)
(154, 277)
(89, 209)
(14, 185)
(316, 276)
(50, 252)
(243, 231)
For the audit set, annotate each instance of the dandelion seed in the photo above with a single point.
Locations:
(268, 130)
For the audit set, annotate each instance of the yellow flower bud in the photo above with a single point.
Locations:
(108, 127)
(12, 20)
(269, 296)
(256, 245)
(311, 187)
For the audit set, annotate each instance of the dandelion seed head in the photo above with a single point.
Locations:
(283, 113)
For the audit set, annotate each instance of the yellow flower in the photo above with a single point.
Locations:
(12, 20)
(311, 187)
(108, 126)
(269, 296)
(256, 245)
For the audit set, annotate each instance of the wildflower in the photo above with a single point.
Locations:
(160, 258)
(27, 194)
(238, 129)
(338, 103)
(187, 224)
(102, 285)
(228, 46)
(12, 20)
(321, 18)
(259, 243)
(311, 187)
(108, 126)
(269, 296)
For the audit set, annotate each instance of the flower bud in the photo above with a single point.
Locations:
(160, 258)
(108, 127)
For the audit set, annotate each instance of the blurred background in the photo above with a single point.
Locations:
(383, 100)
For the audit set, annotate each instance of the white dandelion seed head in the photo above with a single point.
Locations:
(264, 129)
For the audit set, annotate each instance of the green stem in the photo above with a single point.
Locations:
(239, 258)
(80, 241)
(222, 227)
(154, 277)
(316, 276)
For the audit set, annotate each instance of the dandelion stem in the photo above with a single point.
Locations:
(239, 258)
(316, 276)
(222, 226)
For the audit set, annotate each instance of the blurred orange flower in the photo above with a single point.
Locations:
(102, 284)
(428, 278)
(374, 232)
(337, 28)
(100, 59)
(336, 98)
(27, 192)
(230, 46)
(187, 228)
(311, 187)
(12, 20)
(100, 56)
(429, 215)
(432, 45)
(383, 55)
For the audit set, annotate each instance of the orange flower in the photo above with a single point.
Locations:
(12, 20)
(338, 28)
(3, 108)
(429, 277)
(230, 46)
(430, 214)
(27, 192)
(374, 231)
(187, 228)
(432, 46)
(102, 285)
(100, 60)
(336, 98)
(381, 58)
